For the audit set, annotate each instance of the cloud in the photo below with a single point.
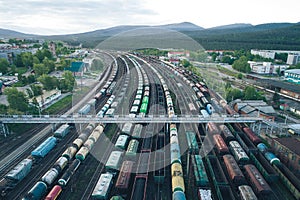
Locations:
(58, 17)
(69, 16)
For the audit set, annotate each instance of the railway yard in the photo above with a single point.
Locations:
(145, 161)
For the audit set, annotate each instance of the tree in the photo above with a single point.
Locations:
(18, 61)
(36, 60)
(40, 69)
(4, 65)
(47, 54)
(233, 93)
(240, 76)
(29, 92)
(27, 59)
(185, 63)
(17, 100)
(36, 89)
(68, 82)
(48, 82)
(281, 56)
(49, 64)
(3, 109)
(228, 85)
(250, 93)
(31, 79)
(242, 65)
(227, 59)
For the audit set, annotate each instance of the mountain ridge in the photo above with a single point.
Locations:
(232, 36)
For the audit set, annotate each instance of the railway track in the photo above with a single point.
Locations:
(27, 147)
(40, 169)
(103, 148)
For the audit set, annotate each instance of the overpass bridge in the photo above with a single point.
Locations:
(82, 119)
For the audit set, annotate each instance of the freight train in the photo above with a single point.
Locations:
(24, 167)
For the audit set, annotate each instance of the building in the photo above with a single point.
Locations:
(255, 108)
(288, 89)
(261, 67)
(271, 53)
(288, 151)
(178, 54)
(52, 49)
(264, 53)
(48, 97)
(292, 75)
(293, 59)
(77, 68)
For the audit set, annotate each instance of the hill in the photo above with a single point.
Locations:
(283, 36)
(265, 36)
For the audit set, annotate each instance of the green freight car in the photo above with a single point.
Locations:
(192, 141)
(144, 108)
(199, 171)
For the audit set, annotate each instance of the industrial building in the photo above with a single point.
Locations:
(288, 152)
(255, 108)
(292, 75)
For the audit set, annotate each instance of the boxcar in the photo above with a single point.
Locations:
(20, 170)
(200, 171)
(220, 145)
(246, 193)
(192, 141)
(204, 194)
(123, 179)
(114, 160)
(127, 128)
(238, 152)
(212, 128)
(252, 136)
(226, 133)
(235, 174)
(257, 181)
(101, 190)
(132, 148)
(62, 131)
(122, 141)
(137, 131)
(43, 149)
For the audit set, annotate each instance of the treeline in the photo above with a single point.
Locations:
(281, 38)
(249, 93)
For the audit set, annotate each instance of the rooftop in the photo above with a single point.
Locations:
(295, 71)
(291, 143)
(280, 84)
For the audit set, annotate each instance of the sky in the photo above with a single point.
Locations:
(52, 17)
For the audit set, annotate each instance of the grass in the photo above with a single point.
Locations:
(58, 106)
